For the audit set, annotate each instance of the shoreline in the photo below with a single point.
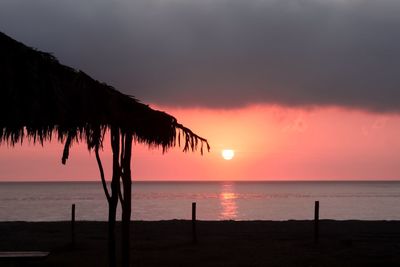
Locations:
(220, 243)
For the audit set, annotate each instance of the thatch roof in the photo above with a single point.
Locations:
(41, 97)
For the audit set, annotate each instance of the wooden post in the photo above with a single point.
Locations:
(126, 201)
(316, 222)
(194, 233)
(73, 225)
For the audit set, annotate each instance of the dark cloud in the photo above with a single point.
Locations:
(224, 53)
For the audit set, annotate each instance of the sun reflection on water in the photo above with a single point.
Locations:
(228, 202)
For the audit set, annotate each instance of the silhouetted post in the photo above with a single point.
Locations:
(316, 222)
(73, 225)
(194, 233)
(126, 200)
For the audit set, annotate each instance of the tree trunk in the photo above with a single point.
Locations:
(112, 257)
(126, 204)
(113, 201)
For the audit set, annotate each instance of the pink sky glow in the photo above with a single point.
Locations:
(270, 143)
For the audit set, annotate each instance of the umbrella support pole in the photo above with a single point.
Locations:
(126, 203)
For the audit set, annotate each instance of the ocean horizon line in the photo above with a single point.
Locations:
(209, 181)
(238, 200)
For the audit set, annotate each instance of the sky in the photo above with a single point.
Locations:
(300, 89)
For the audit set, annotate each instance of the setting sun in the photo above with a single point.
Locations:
(228, 154)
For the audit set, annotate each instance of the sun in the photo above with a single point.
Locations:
(228, 154)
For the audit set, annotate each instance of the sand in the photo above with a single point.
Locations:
(220, 243)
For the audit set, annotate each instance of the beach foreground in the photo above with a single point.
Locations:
(220, 243)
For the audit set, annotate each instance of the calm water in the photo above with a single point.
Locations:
(215, 200)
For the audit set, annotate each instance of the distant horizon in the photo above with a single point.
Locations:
(50, 201)
(198, 181)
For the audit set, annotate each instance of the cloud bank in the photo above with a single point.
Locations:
(224, 53)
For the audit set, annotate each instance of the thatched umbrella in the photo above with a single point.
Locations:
(41, 98)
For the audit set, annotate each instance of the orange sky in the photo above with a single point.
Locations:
(270, 143)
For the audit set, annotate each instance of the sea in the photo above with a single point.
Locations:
(272, 200)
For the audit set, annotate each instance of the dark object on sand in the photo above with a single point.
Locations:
(42, 98)
(316, 222)
(194, 232)
(73, 226)
(23, 254)
(22, 258)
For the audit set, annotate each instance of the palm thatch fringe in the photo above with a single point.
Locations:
(41, 97)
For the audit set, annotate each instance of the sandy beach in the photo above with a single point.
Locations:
(220, 243)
